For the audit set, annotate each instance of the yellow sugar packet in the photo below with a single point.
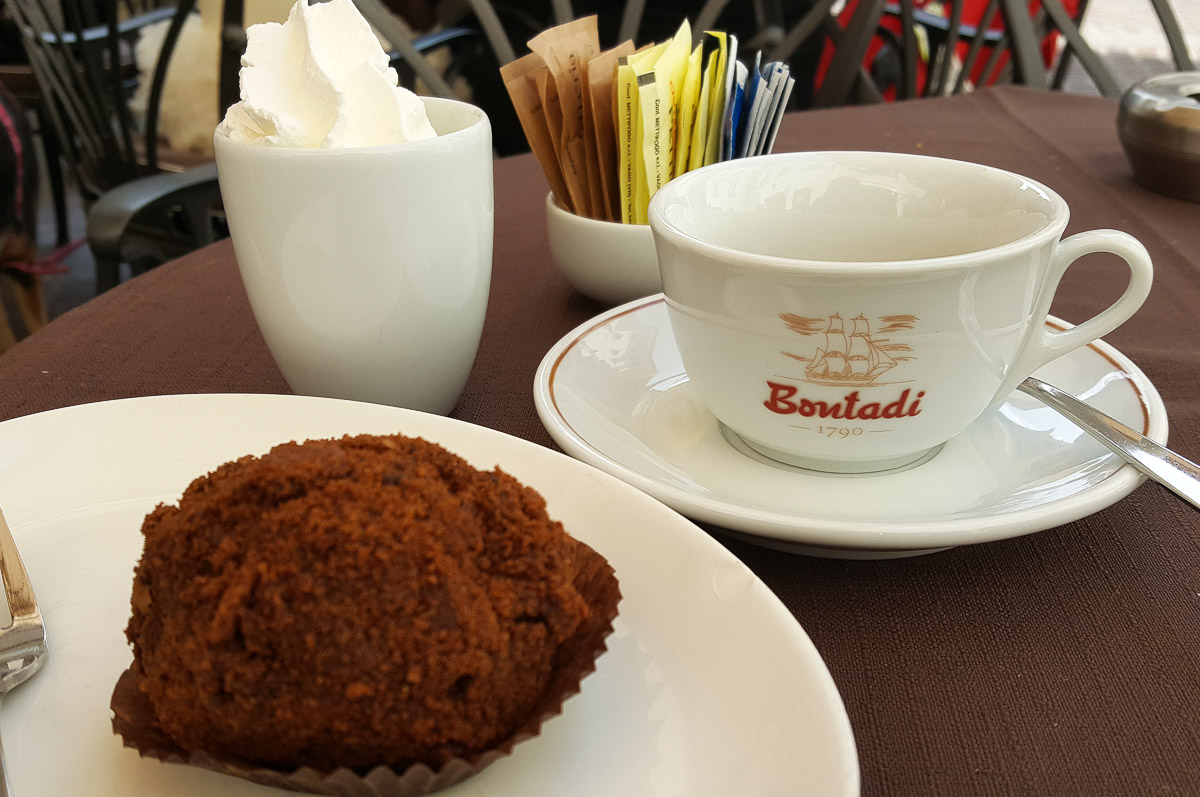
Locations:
(718, 93)
(643, 63)
(632, 173)
(700, 126)
(660, 81)
(687, 113)
(601, 75)
(625, 100)
(653, 145)
(670, 72)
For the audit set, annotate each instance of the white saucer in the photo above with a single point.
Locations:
(613, 393)
(709, 686)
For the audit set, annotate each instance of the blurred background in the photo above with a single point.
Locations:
(1126, 34)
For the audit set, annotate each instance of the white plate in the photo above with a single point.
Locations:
(709, 686)
(614, 394)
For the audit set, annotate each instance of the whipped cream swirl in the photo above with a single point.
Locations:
(321, 79)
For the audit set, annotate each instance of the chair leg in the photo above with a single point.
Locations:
(52, 149)
(32, 304)
(8, 338)
(108, 274)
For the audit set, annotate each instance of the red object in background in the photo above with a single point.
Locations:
(972, 15)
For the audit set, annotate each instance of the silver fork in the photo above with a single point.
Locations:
(23, 639)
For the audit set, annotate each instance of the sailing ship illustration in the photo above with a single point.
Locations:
(852, 359)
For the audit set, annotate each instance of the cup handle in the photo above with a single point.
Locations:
(1045, 345)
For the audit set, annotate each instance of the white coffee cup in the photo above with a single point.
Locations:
(368, 269)
(852, 311)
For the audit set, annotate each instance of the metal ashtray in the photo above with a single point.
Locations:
(1159, 126)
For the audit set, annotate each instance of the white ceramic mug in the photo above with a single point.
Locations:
(368, 269)
(851, 311)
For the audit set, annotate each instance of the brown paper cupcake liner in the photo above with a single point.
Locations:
(135, 722)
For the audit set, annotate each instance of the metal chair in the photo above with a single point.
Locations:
(506, 25)
(146, 205)
(81, 53)
(999, 41)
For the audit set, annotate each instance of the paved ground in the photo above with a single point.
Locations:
(1129, 37)
(1131, 26)
(1125, 32)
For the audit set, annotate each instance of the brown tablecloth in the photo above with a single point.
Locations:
(1062, 663)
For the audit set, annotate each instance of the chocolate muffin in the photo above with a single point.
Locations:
(355, 603)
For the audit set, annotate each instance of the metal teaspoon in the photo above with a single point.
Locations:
(1181, 476)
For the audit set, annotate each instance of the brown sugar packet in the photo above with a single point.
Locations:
(601, 72)
(135, 722)
(597, 207)
(520, 78)
(565, 49)
(552, 111)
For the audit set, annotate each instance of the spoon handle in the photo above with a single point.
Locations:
(1181, 476)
